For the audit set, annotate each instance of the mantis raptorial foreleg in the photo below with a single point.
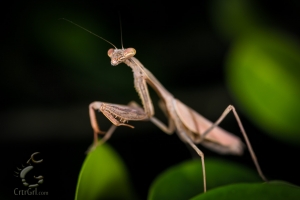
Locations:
(116, 113)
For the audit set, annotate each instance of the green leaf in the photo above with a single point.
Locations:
(185, 180)
(102, 174)
(272, 190)
(263, 74)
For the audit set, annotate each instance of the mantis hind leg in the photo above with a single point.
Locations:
(224, 114)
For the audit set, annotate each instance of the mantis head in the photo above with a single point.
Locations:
(120, 55)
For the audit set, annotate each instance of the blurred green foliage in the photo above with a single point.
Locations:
(103, 176)
(263, 68)
(263, 73)
(265, 191)
(185, 180)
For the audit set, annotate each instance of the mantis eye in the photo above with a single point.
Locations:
(129, 52)
(110, 52)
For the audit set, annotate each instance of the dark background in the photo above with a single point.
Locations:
(50, 75)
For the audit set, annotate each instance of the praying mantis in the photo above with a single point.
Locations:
(190, 126)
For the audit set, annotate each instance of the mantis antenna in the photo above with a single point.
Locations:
(121, 29)
(92, 32)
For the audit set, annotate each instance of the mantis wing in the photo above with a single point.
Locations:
(217, 139)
